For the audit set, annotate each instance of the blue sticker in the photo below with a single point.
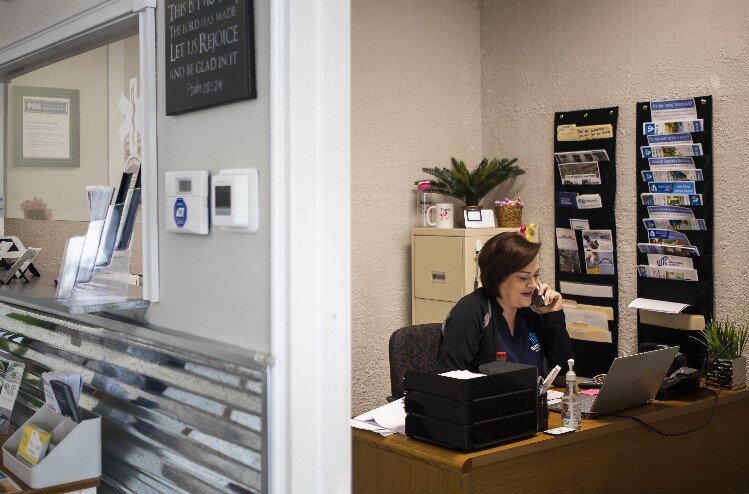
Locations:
(180, 212)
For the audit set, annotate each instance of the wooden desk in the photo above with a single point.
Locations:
(72, 487)
(610, 454)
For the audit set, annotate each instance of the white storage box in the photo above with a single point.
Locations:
(74, 451)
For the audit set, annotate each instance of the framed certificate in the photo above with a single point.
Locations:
(45, 126)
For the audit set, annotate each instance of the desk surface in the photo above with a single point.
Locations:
(609, 449)
(58, 489)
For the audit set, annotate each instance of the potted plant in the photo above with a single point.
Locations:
(471, 186)
(728, 339)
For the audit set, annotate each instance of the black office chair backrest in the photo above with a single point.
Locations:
(412, 348)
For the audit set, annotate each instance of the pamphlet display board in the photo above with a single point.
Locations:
(586, 271)
(675, 216)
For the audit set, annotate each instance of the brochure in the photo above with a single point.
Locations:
(598, 240)
(579, 224)
(670, 212)
(673, 110)
(670, 139)
(667, 224)
(673, 187)
(667, 237)
(567, 199)
(582, 156)
(566, 239)
(671, 250)
(671, 199)
(671, 163)
(670, 261)
(588, 201)
(599, 262)
(672, 127)
(667, 273)
(569, 261)
(580, 173)
(671, 150)
(693, 175)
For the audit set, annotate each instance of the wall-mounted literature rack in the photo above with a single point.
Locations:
(586, 272)
(675, 219)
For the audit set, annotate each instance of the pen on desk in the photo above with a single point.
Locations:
(550, 379)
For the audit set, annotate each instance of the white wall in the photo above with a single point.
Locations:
(415, 102)
(217, 286)
(540, 57)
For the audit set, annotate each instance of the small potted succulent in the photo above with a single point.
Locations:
(727, 339)
(472, 186)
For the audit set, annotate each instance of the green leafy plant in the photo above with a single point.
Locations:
(721, 332)
(471, 186)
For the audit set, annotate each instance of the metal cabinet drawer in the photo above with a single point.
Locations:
(427, 311)
(438, 268)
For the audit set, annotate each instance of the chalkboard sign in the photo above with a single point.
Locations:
(210, 53)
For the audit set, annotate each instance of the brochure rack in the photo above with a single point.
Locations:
(75, 450)
(698, 294)
(580, 267)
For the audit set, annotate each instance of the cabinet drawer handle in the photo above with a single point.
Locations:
(438, 277)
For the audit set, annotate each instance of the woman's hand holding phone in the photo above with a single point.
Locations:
(551, 298)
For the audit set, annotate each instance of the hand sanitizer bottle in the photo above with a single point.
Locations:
(571, 407)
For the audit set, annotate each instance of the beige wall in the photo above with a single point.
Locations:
(541, 57)
(536, 57)
(415, 103)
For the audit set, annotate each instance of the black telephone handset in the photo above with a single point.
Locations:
(537, 299)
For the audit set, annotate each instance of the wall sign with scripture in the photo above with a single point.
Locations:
(210, 53)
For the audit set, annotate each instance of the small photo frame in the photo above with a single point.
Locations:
(45, 126)
(479, 218)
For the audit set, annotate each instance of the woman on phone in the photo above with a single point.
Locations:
(501, 316)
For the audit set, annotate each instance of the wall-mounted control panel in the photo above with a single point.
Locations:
(186, 205)
(234, 200)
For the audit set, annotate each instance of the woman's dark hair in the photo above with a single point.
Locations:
(503, 255)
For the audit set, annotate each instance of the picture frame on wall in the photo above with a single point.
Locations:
(45, 126)
(209, 54)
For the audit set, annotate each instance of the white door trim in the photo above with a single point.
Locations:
(310, 441)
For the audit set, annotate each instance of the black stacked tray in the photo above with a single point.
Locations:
(468, 414)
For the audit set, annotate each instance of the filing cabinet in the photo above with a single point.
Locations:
(443, 268)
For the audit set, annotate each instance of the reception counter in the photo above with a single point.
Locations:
(610, 454)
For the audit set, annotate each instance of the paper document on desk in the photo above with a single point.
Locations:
(553, 397)
(385, 420)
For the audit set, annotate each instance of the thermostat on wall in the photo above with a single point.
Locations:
(186, 205)
(235, 200)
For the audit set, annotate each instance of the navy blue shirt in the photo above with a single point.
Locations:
(475, 330)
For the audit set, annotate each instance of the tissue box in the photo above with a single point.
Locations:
(74, 451)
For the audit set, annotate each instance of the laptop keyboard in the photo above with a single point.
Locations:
(586, 402)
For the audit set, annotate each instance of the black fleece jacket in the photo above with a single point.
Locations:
(475, 330)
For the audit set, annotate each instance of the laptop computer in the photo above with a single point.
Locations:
(631, 381)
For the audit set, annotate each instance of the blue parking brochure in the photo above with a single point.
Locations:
(671, 150)
(672, 187)
(672, 110)
(671, 250)
(671, 163)
(672, 224)
(668, 237)
(672, 175)
(670, 139)
(670, 212)
(567, 199)
(673, 127)
(660, 199)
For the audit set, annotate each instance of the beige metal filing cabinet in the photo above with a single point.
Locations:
(443, 268)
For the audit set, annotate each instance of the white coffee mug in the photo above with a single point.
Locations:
(444, 215)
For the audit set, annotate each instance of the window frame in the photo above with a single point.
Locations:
(96, 25)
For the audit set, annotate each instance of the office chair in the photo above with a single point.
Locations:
(412, 348)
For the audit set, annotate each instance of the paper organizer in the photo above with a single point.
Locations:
(74, 451)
